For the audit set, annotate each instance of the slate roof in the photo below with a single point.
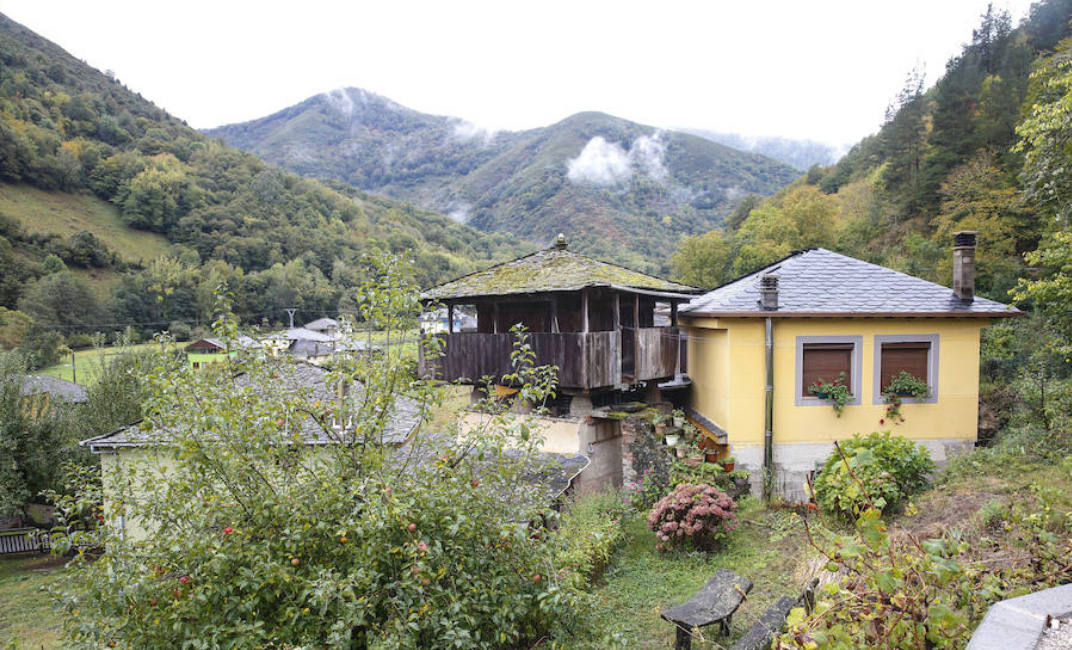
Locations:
(55, 387)
(304, 349)
(296, 380)
(322, 324)
(241, 341)
(553, 269)
(822, 283)
(301, 334)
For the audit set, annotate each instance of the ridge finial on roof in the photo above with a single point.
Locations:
(560, 242)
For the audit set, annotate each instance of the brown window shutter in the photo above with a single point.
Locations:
(826, 362)
(910, 357)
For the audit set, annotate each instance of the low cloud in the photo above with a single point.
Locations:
(608, 163)
(460, 213)
(734, 193)
(341, 101)
(466, 131)
(647, 154)
(600, 163)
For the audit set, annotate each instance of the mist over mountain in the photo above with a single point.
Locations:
(801, 154)
(617, 188)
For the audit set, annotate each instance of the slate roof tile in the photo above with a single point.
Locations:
(818, 282)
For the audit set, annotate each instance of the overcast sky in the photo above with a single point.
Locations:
(817, 69)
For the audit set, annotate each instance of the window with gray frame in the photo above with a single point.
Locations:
(916, 354)
(825, 358)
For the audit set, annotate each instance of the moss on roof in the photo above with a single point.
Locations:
(554, 269)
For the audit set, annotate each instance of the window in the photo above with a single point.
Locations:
(826, 362)
(916, 354)
(825, 358)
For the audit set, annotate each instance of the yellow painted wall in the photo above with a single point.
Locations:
(560, 435)
(728, 379)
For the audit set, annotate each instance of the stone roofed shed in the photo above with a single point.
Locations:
(594, 320)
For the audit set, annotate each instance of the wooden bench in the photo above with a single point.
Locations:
(715, 602)
(763, 631)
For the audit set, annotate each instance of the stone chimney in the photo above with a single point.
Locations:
(964, 265)
(560, 242)
(768, 292)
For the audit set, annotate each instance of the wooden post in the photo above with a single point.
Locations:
(554, 314)
(677, 338)
(636, 335)
(617, 311)
(450, 318)
(584, 310)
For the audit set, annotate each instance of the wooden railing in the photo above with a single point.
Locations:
(584, 360)
(656, 352)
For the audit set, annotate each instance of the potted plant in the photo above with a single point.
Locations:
(660, 424)
(672, 439)
(728, 463)
(681, 450)
(679, 418)
(901, 386)
(835, 392)
(711, 456)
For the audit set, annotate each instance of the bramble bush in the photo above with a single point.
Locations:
(891, 468)
(589, 530)
(906, 593)
(695, 515)
(254, 539)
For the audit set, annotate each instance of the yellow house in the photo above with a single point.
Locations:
(756, 345)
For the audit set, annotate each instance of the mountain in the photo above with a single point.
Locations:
(983, 149)
(97, 182)
(617, 188)
(801, 154)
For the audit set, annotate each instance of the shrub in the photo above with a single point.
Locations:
(700, 515)
(646, 490)
(733, 483)
(253, 541)
(590, 529)
(888, 468)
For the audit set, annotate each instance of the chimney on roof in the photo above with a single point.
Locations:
(560, 242)
(964, 264)
(768, 292)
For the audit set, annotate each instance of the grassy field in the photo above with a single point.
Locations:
(87, 363)
(27, 619)
(67, 214)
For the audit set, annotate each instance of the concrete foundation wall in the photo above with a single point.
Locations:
(794, 462)
(604, 438)
(600, 440)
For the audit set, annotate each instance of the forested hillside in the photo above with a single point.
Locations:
(621, 190)
(96, 182)
(982, 149)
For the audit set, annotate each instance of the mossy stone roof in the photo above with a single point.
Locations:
(554, 269)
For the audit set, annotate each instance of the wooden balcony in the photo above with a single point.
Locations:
(585, 360)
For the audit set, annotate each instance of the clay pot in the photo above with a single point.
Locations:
(660, 429)
(728, 466)
(711, 457)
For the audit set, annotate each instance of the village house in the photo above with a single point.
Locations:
(758, 343)
(594, 321)
(133, 446)
(148, 453)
